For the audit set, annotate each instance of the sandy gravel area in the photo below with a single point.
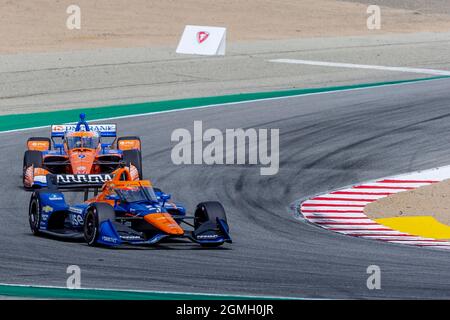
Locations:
(40, 25)
(432, 200)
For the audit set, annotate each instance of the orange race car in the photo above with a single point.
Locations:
(80, 149)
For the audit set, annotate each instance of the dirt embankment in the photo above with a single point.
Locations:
(432, 200)
(40, 25)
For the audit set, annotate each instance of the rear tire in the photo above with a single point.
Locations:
(98, 213)
(31, 158)
(34, 215)
(133, 157)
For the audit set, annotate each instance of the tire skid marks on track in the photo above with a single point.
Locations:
(342, 211)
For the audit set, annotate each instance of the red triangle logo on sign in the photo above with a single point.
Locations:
(202, 36)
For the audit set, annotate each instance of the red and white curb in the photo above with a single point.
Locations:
(342, 211)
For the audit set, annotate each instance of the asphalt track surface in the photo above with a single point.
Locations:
(327, 141)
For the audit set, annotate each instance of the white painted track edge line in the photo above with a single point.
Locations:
(364, 66)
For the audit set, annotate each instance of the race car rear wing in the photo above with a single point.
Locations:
(105, 130)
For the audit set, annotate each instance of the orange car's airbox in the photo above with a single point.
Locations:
(164, 222)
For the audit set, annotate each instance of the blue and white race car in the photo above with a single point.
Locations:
(126, 211)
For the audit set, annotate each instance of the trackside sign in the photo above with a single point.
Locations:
(203, 40)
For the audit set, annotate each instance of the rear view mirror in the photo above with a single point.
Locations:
(164, 197)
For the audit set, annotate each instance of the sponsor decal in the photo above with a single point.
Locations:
(82, 178)
(54, 197)
(93, 127)
(207, 236)
(47, 209)
(75, 210)
(109, 239)
(38, 145)
(77, 220)
(130, 237)
(127, 143)
(202, 36)
(58, 128)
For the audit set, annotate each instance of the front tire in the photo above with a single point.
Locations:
(209, 211)
(98, 213)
